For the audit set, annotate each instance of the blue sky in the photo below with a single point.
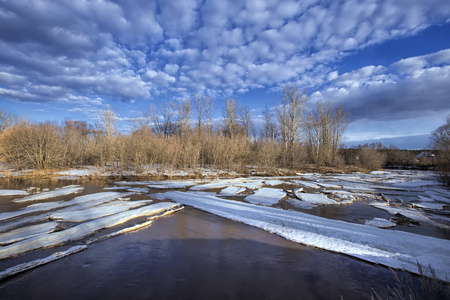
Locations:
(387, 62)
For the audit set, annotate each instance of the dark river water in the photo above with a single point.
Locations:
(196, 255)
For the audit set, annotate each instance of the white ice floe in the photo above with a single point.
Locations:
(380, 223)
(395, 249)
(315, 198)
(12, 193)
(52, 194)
(214, 185)
(300, 204)
(171, 185)
(407, 212)
(138, 190)
(231, 191)
(251, 184)
(410, 213)
(82, 230)
(266, 196)
(39, 262)
(26, 232)
(425, 199)
(430, 205)
(117, 188)
(329, 185)
(96, 212)
(305, 184)
(91, 199)
(437, 196)
(273, 182)
(416, 183)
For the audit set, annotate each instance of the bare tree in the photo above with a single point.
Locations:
(230, 118)
(245, 119)
(163, 122)
(269, 126)
(205, 109)
(184, 117)
(290, 119)
(325, 128)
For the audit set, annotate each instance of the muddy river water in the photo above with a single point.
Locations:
(197, 255)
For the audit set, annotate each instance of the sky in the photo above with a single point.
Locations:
(387, 62)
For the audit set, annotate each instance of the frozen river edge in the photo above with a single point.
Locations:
(396, 249)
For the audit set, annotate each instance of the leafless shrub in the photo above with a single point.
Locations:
(440, 140)
(370, 158)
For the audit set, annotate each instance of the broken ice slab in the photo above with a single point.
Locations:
(82, 230)
(231, 191)
(305, 184)
(97, 211)
(51, 194)
(430, 205)
(266, 196)
(26, 232)
(273, 182)
(12, 193)
(380, 223)
(315, 198)
(300, 204)
(39, 207)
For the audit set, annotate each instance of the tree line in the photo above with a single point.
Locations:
(184, 136)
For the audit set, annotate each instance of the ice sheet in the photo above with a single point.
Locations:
(82, 230)
(305, 184)
(300, 204)
(315, 198)
(12, 193)
(40, 207)
(231, 191)
(380, 223)
(51, 194)
(26, 232)
(391, 248)
(97, 211)
(266, 196)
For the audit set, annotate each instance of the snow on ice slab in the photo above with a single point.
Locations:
(214, 185)
(93, 199)
(396, 249)
(27, 232)
(266, 196)
(437, 196)
(273, 182)
(97, 211)
(82, 230)
(315, 198)
(251, 184)
(231, 191)
(430, 205)
(416, 183)
(52, 194)
(305, 184)
(300, 204)
(380, 223)
(171, 184)
(12, 193)
(329, 185)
